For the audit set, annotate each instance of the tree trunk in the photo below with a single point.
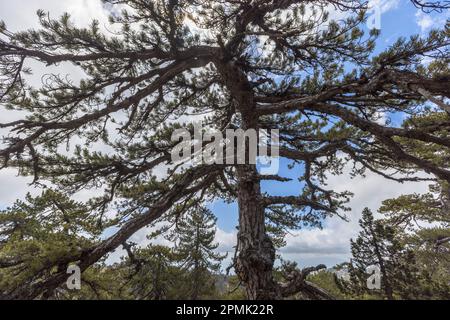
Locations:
(256, 253)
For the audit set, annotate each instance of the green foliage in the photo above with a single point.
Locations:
(151, 273)
(326, 280)
(405, 264)
(194, 244)
(41, 235)
(189, 270)
(233, 289)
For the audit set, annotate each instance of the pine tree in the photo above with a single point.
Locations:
(194, 236)
(415, 212)
(278, 65)
(378, 244)
(151, 273)
(41, 236)
(431, 245)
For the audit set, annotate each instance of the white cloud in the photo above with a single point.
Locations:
(21, 14)
(388, 5)
(13, 187)
(424, 21)
(226, 240)
(427, 21)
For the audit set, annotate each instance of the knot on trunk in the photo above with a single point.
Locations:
(257, 256)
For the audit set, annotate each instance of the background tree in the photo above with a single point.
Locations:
(279, 64)
(402, 273)
(378, 245)
(426, 217)
(38, 238)
(194, 237)
(151, 273)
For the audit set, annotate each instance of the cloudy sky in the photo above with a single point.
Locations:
(308, 247)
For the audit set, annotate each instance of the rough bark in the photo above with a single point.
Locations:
(256, 253)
